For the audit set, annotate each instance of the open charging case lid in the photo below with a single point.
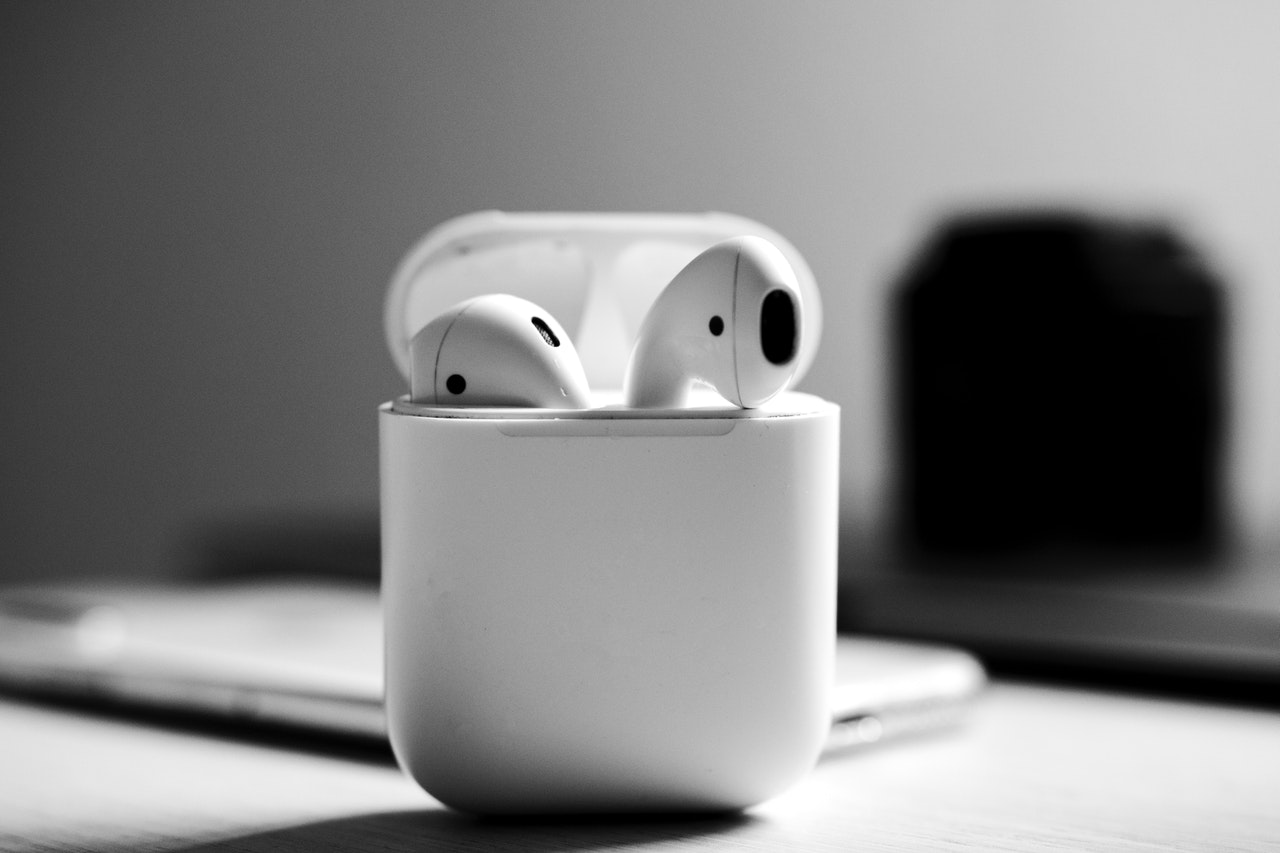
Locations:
(597, 273)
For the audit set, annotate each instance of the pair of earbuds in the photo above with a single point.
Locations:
(731, 319)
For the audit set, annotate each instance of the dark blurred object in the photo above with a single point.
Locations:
(332, 546)
(1060, 389)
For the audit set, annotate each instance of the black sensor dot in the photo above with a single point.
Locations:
(456, 384)
(716, 325)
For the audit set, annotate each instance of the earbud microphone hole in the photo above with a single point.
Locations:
(456, 383)
(716, 325)
(778, 327)
(545, 330)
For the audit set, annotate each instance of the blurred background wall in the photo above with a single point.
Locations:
(201, 204)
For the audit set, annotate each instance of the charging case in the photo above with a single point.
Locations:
(603, 610)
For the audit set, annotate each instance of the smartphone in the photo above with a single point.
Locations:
(308, 655)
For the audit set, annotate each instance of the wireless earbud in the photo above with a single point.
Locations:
(731, 319)
(496, 350)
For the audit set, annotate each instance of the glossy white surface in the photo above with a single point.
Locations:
(589, 614)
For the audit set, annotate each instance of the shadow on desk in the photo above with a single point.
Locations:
(434, 829)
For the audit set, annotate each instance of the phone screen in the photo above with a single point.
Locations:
(309, 654)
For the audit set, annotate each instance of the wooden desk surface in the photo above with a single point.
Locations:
(1034, 768)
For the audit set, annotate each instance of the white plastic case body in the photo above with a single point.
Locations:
(604, 610)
